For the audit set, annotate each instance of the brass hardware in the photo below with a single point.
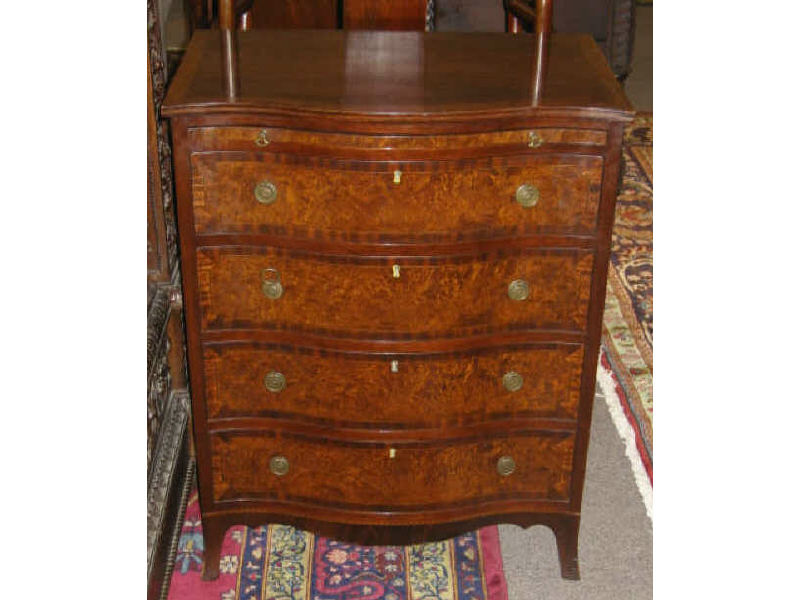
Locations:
(266, 192)
(392, 452)
(512, 381)
(506, 466)
(271, 286)
(534, 140)
(397, 175)
(395, 366)
(275, 382)
(396, 271)
(262, 139)
(279, 465)
(527, 195)
(519, 289)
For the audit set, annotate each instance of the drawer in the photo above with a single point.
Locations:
(276, 139)
(382, 391)
(372, 297)
(378, 201)
(378, 476)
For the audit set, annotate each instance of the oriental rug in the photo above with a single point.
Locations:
(627, 358)
(278, 562)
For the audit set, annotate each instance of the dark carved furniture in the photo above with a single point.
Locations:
(168, 440)
(394, 259)
(610, 22)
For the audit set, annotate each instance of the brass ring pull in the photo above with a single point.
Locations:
(519, 289)
(271, 285)
(265, 192)
(274, 382)
(534, 140)
(512, 381)
(527, 195)
(505, 466)
(279, 465)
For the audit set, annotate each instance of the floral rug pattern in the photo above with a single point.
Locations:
(628, 317)
(279, 562)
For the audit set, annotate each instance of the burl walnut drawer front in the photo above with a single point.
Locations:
(276, 139)
(307, 197)
(291, 467)
(255, 287)
(378, 391)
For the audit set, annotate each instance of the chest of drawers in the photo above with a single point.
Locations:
(394, 277)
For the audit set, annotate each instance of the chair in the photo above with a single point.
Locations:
(610, 22)
(406, 15)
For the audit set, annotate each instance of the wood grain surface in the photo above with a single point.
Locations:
(355, 199)
(361, 390)
(320, 142)
(393, 75)
(331, 472)
(360, 297)
(373, 271)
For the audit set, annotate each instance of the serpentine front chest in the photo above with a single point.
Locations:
(394, 251)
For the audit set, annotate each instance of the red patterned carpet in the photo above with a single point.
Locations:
(279, 562)
(628, 318)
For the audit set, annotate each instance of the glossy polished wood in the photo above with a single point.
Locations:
(405, 391)
(378, 267)
(347, 296)
(416, 478)
(416, 77)
(319, 143)
(289, 14)
(364, 200)
(384, 15)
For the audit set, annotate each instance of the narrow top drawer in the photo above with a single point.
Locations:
(278, 139)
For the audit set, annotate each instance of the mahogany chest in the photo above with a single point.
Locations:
(394, 251)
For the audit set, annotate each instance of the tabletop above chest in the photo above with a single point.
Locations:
(396, 75)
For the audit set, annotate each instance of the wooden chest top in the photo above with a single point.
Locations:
(397, 75)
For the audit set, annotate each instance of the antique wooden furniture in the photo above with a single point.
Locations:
(394, 258)
(168, 462)
(414, 15)
(610, 22)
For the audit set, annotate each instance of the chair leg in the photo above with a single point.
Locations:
(512, 23)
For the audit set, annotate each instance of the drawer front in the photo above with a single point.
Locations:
(372, 476)
(308, 197)
(379, 391)
(276, 139)
(365, 297)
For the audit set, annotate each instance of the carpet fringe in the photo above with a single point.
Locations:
(606, 381)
